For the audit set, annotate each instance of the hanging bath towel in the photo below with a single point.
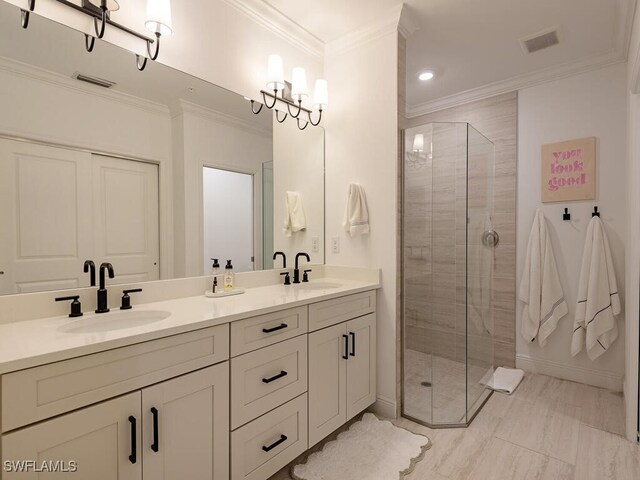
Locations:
(356, 215)
(294, 217)
(598, 300)
(540, 287)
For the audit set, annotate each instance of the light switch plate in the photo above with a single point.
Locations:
(315, 244)
(335, 245)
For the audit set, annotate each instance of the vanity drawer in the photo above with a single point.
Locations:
(267, 378)
(283, 432)
(41, 392)
(327, 313)
(264, 330)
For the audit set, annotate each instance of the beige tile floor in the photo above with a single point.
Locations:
(549, 429)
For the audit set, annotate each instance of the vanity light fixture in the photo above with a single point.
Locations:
(299, 92)
(158, 21)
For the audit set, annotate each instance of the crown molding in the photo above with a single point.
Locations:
(515, 83)
(209, 114)
(382, 26)
(280, 25)
(41, 75)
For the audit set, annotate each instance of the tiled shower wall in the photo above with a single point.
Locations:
(435, 324)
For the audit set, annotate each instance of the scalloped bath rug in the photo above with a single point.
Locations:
(371, 449)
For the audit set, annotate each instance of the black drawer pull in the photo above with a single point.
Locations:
(275, 377)
(155, 445)
(283, 438)
(133, 458)
(346, 347)
(275, 329)
(353, 344)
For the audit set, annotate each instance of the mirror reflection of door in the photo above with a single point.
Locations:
(228, 218)
(59, 207)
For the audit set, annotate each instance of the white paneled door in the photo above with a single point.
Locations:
(45, 217)
(59, 207)
(125, 218)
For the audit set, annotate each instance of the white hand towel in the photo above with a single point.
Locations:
(598, 299)
(294, 217)
(540, 287)
(356, 214)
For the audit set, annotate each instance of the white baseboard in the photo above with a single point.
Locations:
(596, 378)
(385, 407)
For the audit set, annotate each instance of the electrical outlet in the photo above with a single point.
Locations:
(335, 245)
(315, 244)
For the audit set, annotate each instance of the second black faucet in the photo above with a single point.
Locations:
(103, 304)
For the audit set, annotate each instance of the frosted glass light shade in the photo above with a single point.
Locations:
(275, 73)
(418, 143)
(321, 95)
(299, 90)
(112, 5)
(158, 19)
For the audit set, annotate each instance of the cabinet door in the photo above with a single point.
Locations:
(186, 426)
(97, 439)
(361, 366)
(327, 381)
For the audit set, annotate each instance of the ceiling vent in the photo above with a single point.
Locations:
(101, 82)
(540, 40)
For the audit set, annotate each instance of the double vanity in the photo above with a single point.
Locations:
(197, 388)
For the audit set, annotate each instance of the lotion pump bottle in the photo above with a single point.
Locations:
(228, 276)
(215, 271)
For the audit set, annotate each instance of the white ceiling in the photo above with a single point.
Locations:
(473, 43)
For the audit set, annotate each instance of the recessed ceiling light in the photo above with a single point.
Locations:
(426, 75)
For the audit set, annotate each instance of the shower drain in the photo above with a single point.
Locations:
(425, 384)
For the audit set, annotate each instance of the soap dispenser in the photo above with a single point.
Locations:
(228, 276)
(215, 271)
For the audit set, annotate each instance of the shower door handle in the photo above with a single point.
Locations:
(490, 238)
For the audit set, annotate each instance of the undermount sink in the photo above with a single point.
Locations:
(317, 286)
(118, 320)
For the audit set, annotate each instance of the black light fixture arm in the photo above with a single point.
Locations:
(274, 96)
(299, 109)
(100, 28)
(154, 55)
(89, 42)
(278, 116)
(315, 124)
(255, 112)
(141, 62)
(26, 14)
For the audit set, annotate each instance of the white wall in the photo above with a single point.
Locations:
(591, 104)
(361, 146)
(632, 346)
(225, 42)
(298, 166)
(204, 137)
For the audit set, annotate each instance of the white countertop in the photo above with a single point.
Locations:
(31, 343)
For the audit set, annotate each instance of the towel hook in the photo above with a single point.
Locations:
(566, 215)
(595, 213)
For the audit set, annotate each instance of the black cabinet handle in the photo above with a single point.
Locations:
(346, 347)
(133, 458)
(275, 329)
(155, 444)
(275, 377)
(353, 344)
(283, 438)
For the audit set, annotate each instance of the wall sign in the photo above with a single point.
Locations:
(569, 171)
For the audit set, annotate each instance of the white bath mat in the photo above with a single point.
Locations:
(371, 449)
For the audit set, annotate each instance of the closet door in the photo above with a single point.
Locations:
(126, 231)
(103, 441)
(186, 426)
(327, 381)
(45, 217)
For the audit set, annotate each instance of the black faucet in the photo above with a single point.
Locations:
(102, 291)
(89, 265)
(284, 258)
(296, 271)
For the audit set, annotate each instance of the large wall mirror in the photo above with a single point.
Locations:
(155, 172)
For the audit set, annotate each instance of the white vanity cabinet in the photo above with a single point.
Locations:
(342, 362)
